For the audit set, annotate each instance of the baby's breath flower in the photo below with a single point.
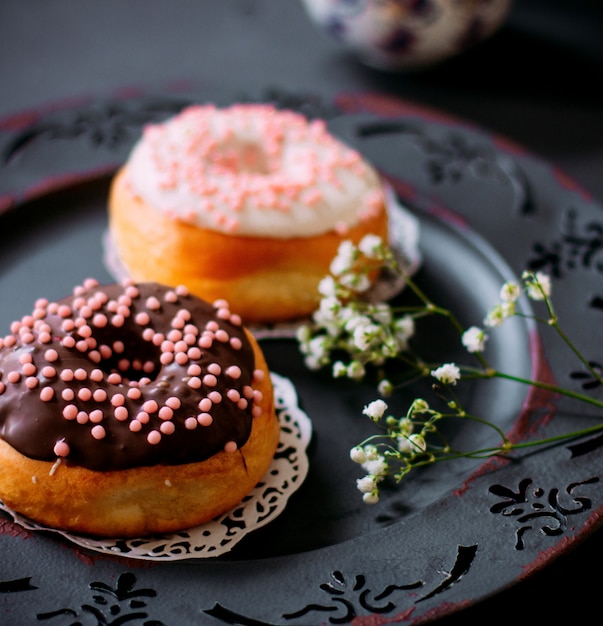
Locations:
(339, 370)
(510, 292)
(375, 410)
(385, 387)
(419, 406)
(327, 287)
(538, 285)
(354, 281)
(499, 314)
(376, 467)
(382, 313)
(448, 373)
(371, 246)
(366, 484)
(371, 498)
(358, 454)
(345, 259)
(356, 370)
(365, 335)
(474, 339)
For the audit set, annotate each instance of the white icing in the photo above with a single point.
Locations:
(253, 170)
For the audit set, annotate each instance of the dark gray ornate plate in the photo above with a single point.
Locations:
(447, 537)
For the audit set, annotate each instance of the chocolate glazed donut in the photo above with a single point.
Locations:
(115, 379)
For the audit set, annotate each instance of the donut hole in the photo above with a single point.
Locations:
(248, 157)
(133, 360)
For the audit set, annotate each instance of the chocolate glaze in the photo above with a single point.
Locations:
(33, 426)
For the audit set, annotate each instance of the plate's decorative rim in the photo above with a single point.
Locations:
(420, 590)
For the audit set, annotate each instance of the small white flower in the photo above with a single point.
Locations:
(358, 454)
(340, 369)
(356, 370)
(382, 313)
(355, 282)
(385, 388)
(404, 327)
(327, 287)
(345, 258)
(376, 467)
(499, 314)
(510, 292)
(474, 339)
(538, 286)
(375, 410)
(329, 308)
(418, 443)
(448, 373)
(371, 246)
(365, 335)
(366, 484)
(371, 498)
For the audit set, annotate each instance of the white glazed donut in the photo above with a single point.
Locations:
(248, 203)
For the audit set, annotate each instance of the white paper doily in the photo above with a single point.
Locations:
(404, 241)
(266, 502)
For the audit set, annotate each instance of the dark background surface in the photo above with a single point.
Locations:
(536, 82)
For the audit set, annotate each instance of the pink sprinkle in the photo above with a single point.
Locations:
(114, 378)
(45, 337)
(48, 371)
(205, 341)
(210, 380)
(118, 347)
(134, 393)
(96, 416)
(46, 394)
(167, 428)
(82, 417)
(143, 319)
(135, 426)
(205, 405)
(2, 387)
(98, 432)
(84, 394)
(150, 406)
(259, 375)
(121, 413)
(100, 320)
(236, 343)
(256, 411)
(68, 341)
(118, 321)
(165, 413)
(166, 358)
(194, 370)
(80, 374)
(70, 412)
(61, 448)
(212, 325)
(154, 437)
(143, 417)
(13, 377)
(234, 371)
(147, 334)
(235, 320)
(215, 397)
(233, 395)
(153, 304)
(214, 368)
(242, 404)
(68, 394)
(99, 395)
(181, 358)
(96, 375)
(29, 369)
(171, 296)
(230, 447)
(51, 355)
(118, 399)
(31, 382)
(64, 311)
(194, 354)
(194, 382)
(190, 423)
(205, 419)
